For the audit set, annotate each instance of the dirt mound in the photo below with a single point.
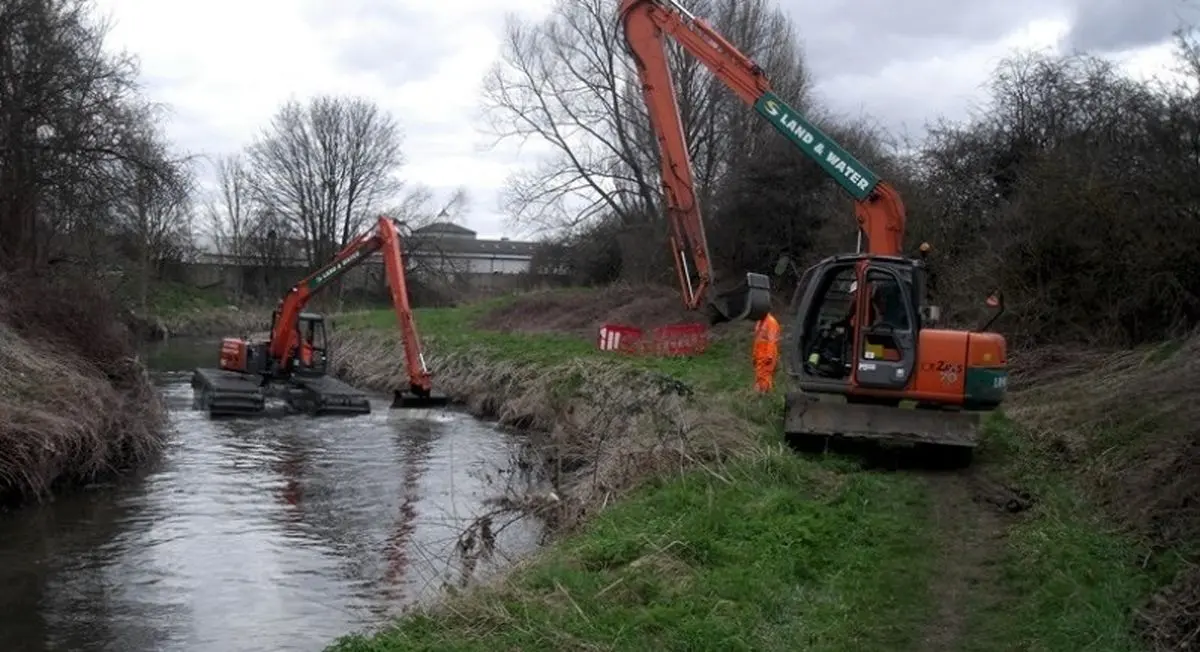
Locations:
(75, 402)
(1130, 423)
(583, 311)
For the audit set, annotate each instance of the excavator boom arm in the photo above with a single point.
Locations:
(419, 378)
(688, 239)
(385, 238)
(878, 208)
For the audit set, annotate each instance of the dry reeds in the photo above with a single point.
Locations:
(227, 321)
(75, 403)
(596, 428)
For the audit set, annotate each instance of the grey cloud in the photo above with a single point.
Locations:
(861, 38)
(378, 36)
(848, 46)
(192, 129)
(1115, 25)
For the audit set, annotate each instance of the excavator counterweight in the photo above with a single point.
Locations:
(862, 340)
(293, 363)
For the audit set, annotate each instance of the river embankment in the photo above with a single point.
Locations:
(76, 403)
(212, 321)
(684, 520)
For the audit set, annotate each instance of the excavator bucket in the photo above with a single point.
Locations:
(411, 400)
(750, 300)
(808, 415)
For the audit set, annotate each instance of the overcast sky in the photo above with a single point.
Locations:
(224, 66)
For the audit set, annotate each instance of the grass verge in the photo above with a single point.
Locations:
(176, 309)
(1067, 576)
(778, 556)
(763, 549)
(1106, 442)
(757, 549)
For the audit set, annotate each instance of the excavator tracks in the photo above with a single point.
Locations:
(227, 393)
(325, 395)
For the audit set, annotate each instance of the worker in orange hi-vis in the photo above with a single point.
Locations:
(766, 352)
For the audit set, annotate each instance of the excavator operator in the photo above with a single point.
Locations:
(766, 352)
(885, 306)
(831, 350)
(305, 355)
(306, 351)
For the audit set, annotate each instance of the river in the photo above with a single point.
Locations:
(265, 534)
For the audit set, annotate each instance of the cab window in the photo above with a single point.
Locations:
(888, 315)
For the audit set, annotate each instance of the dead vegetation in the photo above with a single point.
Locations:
(75, 402)
(1128, 424)
(583, 311)
(596, 429)
(228, 320)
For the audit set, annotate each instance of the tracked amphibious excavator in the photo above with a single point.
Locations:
(293, 364)
(861, 339)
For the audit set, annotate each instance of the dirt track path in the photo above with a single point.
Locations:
(970, 520)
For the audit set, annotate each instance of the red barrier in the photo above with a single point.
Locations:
(618, 337)
(667, 341)
(681, 339)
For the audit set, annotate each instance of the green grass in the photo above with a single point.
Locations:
(1067, 579)
(725, 365)
(781, 552)
(169, 299)
(787, 556)
(792, 553)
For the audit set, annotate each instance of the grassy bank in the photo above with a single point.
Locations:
(1108, 444)
(75, 402)
(729, 541)
(183, 311)
(723, 540)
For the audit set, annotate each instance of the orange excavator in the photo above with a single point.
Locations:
(861, 345)
(293, 363)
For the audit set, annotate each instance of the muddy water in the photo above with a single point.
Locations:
(255, 534)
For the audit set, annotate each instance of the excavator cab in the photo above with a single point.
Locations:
(857, 321)
(312, 356)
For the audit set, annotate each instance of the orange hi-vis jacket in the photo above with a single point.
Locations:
(766, 352)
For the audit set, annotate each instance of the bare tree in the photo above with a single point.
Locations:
(568, 82)
(230, 213)
(561, 82)
(154, 209)
(69, 122)
(327, 167)
(268, 246)
(420, 206)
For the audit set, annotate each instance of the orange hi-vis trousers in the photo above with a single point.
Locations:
(766, 352)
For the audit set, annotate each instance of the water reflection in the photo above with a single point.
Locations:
(253, 534)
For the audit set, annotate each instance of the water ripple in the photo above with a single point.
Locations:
(252, 534)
